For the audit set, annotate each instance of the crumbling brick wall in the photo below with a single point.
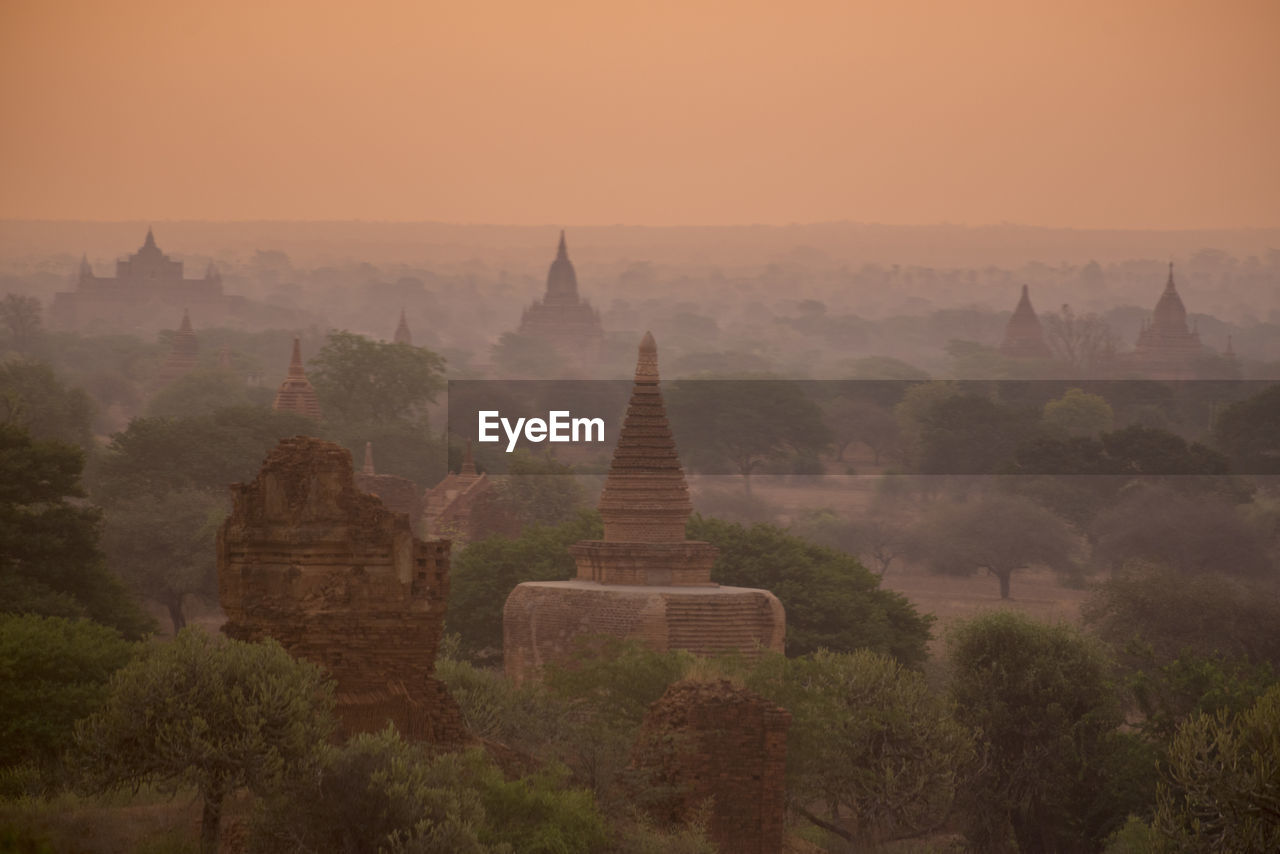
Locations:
(714, 745)
(328, 571)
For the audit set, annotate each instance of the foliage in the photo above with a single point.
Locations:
(746, 422)
(379, 793)
(210, 712)
(851, 420)
(53, 671)
(485, 572)
(540, 490)
(155, 456)
(1042, 703)
(1191, 684)
(1078, 413)
(164, 546)
(518, 355)
(1152, 616)
(204, 393)
(868, 739)
(361, 380)
(34, 398)
(1223, 782)
(971, 434)
(1159, 525)
(831, 600)
(994, 532)
(20, 321)
(1248, 431)
(49, 558)
(1085, 342)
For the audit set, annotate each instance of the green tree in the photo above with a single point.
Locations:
(54, 672)
(869, 741)
(50, 562)
(1222, 791)
(155, 456)
(20, 316)
(746, 422)
(34, 398)
(1248, 431)
(359, 380)
(1078, 413)
(163, 546)
(851, 420)
(831, 600)
(971, 434)
(204, 393)
(484, 573)
(1042, 703)
(998, 533)
(210, 712)
(540, 490)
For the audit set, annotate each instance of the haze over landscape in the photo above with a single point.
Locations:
(934, 350)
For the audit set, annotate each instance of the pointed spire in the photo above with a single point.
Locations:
(295, 361)
(562, 251)
(368, 459)
(1168, 286)
(562, 279)
(645, 497)
(150, 242)
(402, 333)
(86, 270)
(468, 462)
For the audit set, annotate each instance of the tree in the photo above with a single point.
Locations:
(1041, 700)
(55, 672)
(360, 380)
(869, 741)
(207, 452)
(971, 434)
(1222, 782)
(1078, 413)
(50, 563)
(911, 412)
(484, 573)
(1191, 534)
(540, 490)
(32, 397)
(21, 318)
(1085, 342)
(832, 601)
(210, 712)
(204, 393)
(1248, 431)
(851, 420)
(994, 532)
(746, 422)
(522, 356)
(163, 546)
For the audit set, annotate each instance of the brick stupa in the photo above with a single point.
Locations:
(644, 580)
(1167, 346)
(295, 393)
(563, 319)
(184, 353)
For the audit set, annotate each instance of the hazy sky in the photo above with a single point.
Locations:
(1089, 113)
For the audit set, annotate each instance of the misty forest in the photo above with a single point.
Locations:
(1022, 518)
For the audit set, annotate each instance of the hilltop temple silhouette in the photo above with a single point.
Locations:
(563, 319)
(1024, 336)
(147, 285)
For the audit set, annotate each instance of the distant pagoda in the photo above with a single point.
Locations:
(644, 580)
(402, 334)
(295, 393)
(1167, 347)
(146, 283)
(563, 319)
(184, 353)
(1024, 336)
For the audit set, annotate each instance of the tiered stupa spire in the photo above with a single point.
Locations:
(645, 497)
(184, 354)
(402, 334)
(296, 393)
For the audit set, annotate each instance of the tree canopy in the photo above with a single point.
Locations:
(361, 380)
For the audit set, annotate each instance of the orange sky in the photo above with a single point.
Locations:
(1087, 113)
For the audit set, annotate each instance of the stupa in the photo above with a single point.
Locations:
(402, 334)
(1167, 348)
(184, 353)
(644, 580)
(295, 393)
(1023, 336)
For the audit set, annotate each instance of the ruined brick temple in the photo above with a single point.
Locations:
(717, 745)
(333, 575)
(1024, 336)
(399, 494)
(563, 319)
(453, 508)
(644, 580)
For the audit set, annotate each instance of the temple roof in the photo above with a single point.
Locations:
(402, 334)
(1024, 336)
(645, 497)
(562, 279)
(1170, 316)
